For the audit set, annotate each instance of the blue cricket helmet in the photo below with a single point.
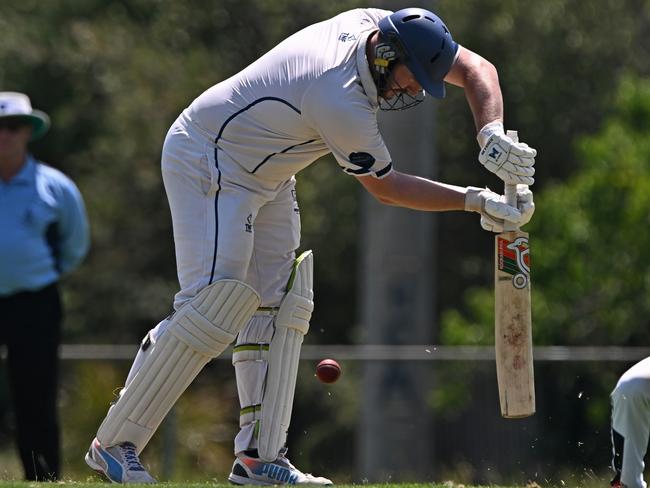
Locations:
(425, 43)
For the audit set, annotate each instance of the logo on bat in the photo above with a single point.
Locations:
(514, 259)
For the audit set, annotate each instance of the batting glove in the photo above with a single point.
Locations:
(511, 161)
(525, 204)
(495, 211)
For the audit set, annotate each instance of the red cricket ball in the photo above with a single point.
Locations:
(328, 371)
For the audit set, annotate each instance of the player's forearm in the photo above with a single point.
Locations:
(480, 80)
(484, 97)
(418, 193)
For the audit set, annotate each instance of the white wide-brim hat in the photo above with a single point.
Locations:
(18, 106)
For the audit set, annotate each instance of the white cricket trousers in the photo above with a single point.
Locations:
(631, 423)
(228, 224)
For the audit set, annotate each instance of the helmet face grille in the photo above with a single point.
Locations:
(401, 101)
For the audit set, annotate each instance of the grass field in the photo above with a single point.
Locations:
(75, 484)
(590, 483)
(584, 483)
(95, 483)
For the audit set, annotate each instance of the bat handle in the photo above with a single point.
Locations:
(510, 190)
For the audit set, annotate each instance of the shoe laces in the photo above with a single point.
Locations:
(282, 456)
(131, 457)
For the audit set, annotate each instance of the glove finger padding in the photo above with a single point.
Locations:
(517, 166)
(514, 179)
(511, 161)
(491, 224)
(523, 149)
(525, 204)
(493, 208)
(501, 210)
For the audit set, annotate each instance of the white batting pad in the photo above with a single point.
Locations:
(291, 325)
(197, 332)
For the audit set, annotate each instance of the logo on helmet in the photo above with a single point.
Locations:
(384, 55)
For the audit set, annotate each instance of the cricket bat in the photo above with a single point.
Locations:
(513, 324)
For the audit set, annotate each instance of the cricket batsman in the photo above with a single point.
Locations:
(631, 425)
(229, 163)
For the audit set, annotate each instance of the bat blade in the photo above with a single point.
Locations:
(513, 325)
(513, 339)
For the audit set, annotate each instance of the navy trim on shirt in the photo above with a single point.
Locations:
(382, 172)
(216, 163)
(281, 152)
(263, 99)
(216, 216)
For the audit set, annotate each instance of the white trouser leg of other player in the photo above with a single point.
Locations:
(631, 425)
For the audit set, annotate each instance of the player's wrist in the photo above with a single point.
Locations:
(494, 127)
(473, 199)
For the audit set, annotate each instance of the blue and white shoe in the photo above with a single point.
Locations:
(248, 470)
(120, 464)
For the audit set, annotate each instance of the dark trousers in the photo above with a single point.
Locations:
(30, 327)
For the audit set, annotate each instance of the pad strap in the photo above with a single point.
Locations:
(251, 413)
(250, 352)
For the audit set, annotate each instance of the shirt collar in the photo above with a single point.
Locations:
(364, 71)
(26, 173)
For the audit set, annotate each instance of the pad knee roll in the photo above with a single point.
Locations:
(198, 332)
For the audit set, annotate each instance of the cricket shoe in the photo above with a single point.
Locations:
(120, 463)
(250, 470)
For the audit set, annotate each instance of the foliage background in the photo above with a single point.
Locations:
(113, 75)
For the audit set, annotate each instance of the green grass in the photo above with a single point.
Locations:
(96, 484)
(77, 484)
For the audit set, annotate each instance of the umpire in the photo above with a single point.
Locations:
(43, 236)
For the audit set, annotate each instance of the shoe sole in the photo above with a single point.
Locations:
(242, 481)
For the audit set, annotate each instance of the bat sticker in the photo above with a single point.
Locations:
(514, 259)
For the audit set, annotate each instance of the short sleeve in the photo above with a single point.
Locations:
(348, 126)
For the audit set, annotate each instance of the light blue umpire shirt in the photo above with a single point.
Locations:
(44, 231)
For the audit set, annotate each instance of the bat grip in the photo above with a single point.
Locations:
(510, 190)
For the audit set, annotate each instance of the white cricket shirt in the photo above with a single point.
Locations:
(310, 95)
